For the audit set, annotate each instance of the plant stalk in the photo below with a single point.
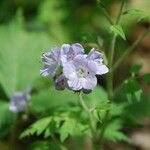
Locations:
(92, 122)
(110, 76)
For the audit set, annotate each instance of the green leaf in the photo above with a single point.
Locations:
(37, 128)
(132, 89)
(73, 127)
(117, 109)
(19, 59)
(135, 69)
(139, 110)
(117, 29)
(129, 91)
(133, 12)
(137, 13)
(113, 132)
(66, 130)
(146, 78)
(99, 112)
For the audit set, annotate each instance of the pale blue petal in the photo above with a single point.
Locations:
(102, 69)
(64, 49)
(93, 54)
(89, 82)
(74, 84)
(92, 67)
(78, 48)
(69, 71)
(51, 62)
(80, 60)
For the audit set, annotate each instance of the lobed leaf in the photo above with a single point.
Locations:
(37, 128)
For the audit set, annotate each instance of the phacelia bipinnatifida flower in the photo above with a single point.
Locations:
(78, 70)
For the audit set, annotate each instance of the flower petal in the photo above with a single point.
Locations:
(69, 71)
(92, 67)
(65, 48)
(74, 84)
(93, 54)
(80, 60)
(102, 69)
(49, 70)
(78, 48)
(51, 62)
(89, 82)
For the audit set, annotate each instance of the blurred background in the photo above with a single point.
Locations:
(29, 28)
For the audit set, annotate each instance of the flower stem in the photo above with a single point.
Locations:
(110, 77)
(92, 122)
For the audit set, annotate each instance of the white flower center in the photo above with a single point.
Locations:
(82, 72)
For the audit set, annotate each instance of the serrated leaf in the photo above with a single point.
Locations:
(37, 128)
(65, 130)
(41, 125)
(99, 112)
(113, 132)
(117, 29)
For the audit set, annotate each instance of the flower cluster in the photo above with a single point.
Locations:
(19, 101)
(72, 68)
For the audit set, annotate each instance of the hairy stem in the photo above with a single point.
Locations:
(92, 122)
(110, 76)
(130, 49)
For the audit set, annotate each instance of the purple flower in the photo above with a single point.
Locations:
(18, 102)
(68, 52)
(80, 73)
(96, 57)
(51, 62)
(60, 82)
(79, 70)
